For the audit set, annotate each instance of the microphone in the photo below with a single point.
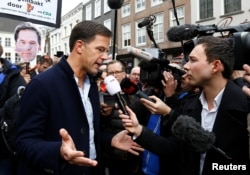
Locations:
(113, 87)
(147, 21)
(115, 4)
(140, 53)
(187, 130)
(182, 32)
(130, 88)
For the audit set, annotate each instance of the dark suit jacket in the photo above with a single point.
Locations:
(230, 130)
(50, 102)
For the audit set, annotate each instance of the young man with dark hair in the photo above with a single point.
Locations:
(221, 108)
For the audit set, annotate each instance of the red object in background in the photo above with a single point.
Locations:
(103, 87)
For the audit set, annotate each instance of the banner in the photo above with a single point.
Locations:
(43, 12)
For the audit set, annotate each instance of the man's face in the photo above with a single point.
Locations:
(198, 69)
(135, 75)
(42, 67)
(94, 53)
(116, 70)
(27, 45)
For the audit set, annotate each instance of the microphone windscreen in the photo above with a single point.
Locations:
(187, 130)
(182, 32)
(115, 4)
(128, 86)
(112, 85)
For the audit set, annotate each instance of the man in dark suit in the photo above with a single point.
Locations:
(221, 107)
(58, 130)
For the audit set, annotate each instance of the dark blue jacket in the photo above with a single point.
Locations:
(52, 101)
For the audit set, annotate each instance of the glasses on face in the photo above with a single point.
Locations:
(115, 73)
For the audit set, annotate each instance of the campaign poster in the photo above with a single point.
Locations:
(43, 12)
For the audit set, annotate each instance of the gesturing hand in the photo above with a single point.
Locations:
(124, 142)
(69, 153)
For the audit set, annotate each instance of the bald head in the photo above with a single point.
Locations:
(135, 74)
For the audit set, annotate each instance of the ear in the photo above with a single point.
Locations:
(79, 46)
(217, 66)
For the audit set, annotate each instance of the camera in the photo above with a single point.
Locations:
(151, 71)
(239, 36)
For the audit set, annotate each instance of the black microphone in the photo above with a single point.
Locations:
(115, 4)
(187, 130)
(182, 32)
(113, 87)
(147, 21)
(129, 87)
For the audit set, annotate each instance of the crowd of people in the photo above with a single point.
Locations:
(65, 126)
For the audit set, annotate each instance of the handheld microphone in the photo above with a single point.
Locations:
(113, 87)
(189, 131)
(130, 88)
(147, 21)
(140, 53)
(115, 4)
(182, 32)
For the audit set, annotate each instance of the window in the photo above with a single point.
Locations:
(206, 9)
(156, 2)
(97, 8)
(180, 14)
(105, 6)
(89, 12)
(126, 35)
(159, 28)
(17, 58)
(8, 55)
(139, 5)
(7, 43)
(107, 23)
(232, 6)
(126, 10)
(140, 35)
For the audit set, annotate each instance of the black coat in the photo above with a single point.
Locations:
(230, 129)
(8, 88)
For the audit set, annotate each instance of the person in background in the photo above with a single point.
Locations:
(10, 81)
(43, 64)
(58, 56)
(118, 162)
(27, 41)
(58, 129)
(24, 71)
(135, 76)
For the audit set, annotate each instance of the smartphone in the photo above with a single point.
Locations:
(107, 99)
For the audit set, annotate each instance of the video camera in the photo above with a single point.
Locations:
(152, 66)
(238, 35)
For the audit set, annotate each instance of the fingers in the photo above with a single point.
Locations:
(83, 161)
(64, 134)
(246, 90)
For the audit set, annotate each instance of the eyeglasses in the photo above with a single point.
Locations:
(115, 73)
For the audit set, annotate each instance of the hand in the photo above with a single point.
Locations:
(124, 142)
(156, 107)
(27, 78)
(169, 84)
(69, 153)
(246, 77)
(106, 110)
(130, 122)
